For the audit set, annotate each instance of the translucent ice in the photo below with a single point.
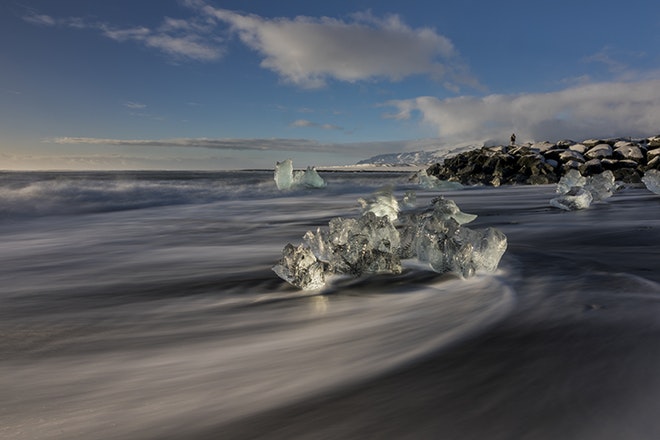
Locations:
(383, 203)
(601, 186)
(286, 178)
(373, 244)
(432, 182)
(447, 246)
(576, 198)
(446, 209)
(577, 191)
(652, 180)
(569, 180)
(284, 174)
(369, 244)
(299, 267)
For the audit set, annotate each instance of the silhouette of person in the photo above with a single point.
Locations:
(513, 139)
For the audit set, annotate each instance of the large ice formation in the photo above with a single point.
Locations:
(286, 178)
(372, 244)
(652, 180)
(578, 192)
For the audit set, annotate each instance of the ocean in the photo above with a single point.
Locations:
(142, 305)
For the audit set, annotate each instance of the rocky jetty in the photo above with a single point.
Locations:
(546, 162)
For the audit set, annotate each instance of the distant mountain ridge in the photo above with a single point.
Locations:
(423, 157)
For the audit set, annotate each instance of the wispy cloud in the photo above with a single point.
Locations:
(593, 110)
(354, 149)
(180, 39)
(308, 51)
(307, 123)
(134, 105)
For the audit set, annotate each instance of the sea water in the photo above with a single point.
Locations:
(142, 305)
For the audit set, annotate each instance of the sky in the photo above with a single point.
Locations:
(241, 84)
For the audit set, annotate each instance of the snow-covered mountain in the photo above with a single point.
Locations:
(424, 157)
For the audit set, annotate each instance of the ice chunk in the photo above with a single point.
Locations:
(449, 247)
(409, 199)
(310, 179)
(576, 198)
(383, 203)
(652, 180)
(601, 186)
(446, 209)
(569, 180)
(284, 174)
(299, 267)
(372, 244)
(369, 244)
(286, 178)
(432, 182)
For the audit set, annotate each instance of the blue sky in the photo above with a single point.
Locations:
(204, 84)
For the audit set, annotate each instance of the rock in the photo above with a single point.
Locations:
(599, 151)
(652, 154)
(653, 164)
(654, 142)
(571, 155)
(565, 143)
(589, 143)
(543, 146)
(629, 152)
(580, 148)
(590, 167)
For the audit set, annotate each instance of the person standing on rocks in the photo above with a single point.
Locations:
(513, 139)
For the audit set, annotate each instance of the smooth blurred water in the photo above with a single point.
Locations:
(142, 305)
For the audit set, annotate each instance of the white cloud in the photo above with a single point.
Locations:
(306, 123)
(134, 105)
(307, 51)
(594, 110)
(39, 19)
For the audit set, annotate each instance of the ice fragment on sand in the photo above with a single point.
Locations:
(286, 178)
(601, 186)
(446, 209)
(576, 198)
(383, 203)
(369, 244)
(577, 192)
(299, 267)
(372, 244)
(447, 246)
(652, 180)
(569, 180)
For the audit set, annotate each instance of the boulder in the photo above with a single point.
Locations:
(591, 167)
(599, 151)
(631, 151)
(580, 148)
(571, 155)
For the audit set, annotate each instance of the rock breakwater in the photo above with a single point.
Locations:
(546, 162)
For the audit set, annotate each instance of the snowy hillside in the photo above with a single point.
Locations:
(424, 157)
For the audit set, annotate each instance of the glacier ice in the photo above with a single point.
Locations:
(431, 182)
(569, 180)
(651, 179)
(299, 267)
(383, 203)
(376, 244)
(578, 192)
(288, 178)
(601, 186)
(575, 198)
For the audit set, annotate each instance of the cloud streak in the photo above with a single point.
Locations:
(306, 123)
(191, 39)
(593, 110)
(354, 149)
